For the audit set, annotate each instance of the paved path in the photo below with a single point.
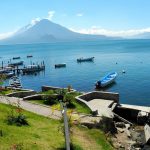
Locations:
(102, 106)
(35, 108)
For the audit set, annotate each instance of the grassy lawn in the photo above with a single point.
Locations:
(76, 106)
(43, 134)
(8, 91)
(90, 139)
(4, 92)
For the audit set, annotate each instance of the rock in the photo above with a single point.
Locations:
(120, 130)
(107, 125)
(128, 133)
(147, 133)
(142, 117)
(127, 126)
(122, 146)
(120, 124)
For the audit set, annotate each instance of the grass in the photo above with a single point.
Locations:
(8, 91)
(91, 139)
(4, 92)
(42, 133)
(75, 105)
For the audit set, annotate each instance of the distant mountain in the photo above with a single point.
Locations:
(145, 35)
(46, 31)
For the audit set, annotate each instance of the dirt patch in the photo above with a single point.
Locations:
(86, 142)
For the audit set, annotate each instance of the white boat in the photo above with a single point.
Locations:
(15, 82)
(6, 73)
(106, 80)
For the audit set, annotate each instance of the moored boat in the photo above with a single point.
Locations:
(6, 73)
(85, 59)
(106, 80)
(60, 65)
(15, 82)
(29, 56)
(16, 57)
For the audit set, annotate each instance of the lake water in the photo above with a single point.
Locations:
(133, 56)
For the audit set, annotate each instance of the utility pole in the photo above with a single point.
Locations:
(66, 126)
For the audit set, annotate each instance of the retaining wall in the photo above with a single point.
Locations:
(47, 88)
(36, 97)
(99, 95)
(21, 94)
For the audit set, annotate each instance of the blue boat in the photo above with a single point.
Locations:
(106, 80)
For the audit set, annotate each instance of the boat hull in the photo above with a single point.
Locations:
(60, 65)
(85, 59)
(107, 80)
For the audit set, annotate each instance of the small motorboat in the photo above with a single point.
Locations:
(85, 59)
(60, 65)
(29, 56)
(9, 74)
(15, 82)
(123, 71)
(16, 57)
(106, 80)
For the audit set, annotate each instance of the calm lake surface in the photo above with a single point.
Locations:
(133, 56)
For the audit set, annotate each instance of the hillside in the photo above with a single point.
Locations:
(43, 133)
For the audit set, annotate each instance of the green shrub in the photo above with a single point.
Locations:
(68, 99)
(18, 120)
(50, 99)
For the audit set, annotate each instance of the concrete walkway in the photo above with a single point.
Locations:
(102, 106)
(35, 108)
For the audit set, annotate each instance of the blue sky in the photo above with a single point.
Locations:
(82, 15)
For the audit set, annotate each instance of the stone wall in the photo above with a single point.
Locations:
(34, 97)
(38, 97)
(21, 94)
(47, 88)
(100, 95)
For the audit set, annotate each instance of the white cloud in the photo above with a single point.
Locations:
(7, 34)
(34, 21)
(50, 15)
(79, 14)
(101, 31)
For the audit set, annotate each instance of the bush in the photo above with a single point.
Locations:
(15, 116)
(18, 120)
(68, 99)
(50, 99)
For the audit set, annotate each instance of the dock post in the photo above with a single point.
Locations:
(2, 64)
